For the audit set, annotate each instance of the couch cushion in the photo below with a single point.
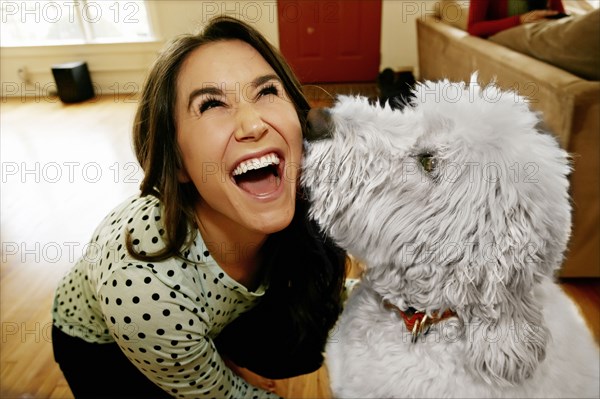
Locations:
(572, 43)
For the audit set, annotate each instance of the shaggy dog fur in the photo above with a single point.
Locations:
(456, 202)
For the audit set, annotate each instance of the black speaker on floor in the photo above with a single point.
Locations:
(73, 82)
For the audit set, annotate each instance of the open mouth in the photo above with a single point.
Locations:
(259, 176)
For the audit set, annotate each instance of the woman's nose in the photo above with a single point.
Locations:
(250, 127)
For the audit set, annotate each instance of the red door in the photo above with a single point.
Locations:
(331, 41)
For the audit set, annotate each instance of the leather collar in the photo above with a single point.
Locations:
(418, 322)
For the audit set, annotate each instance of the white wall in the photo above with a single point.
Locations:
(399, 32)
(185, 16)
(121, 68)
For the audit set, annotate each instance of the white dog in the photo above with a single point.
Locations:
(459, 208)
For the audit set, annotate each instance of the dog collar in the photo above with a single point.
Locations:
(418, 322)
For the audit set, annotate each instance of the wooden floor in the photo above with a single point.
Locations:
(63, 168)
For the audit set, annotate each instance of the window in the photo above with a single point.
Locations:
(43, 22)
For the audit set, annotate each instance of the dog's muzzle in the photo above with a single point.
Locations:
(320, 125)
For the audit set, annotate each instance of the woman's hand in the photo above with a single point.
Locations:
(536, 15)
(251, 378)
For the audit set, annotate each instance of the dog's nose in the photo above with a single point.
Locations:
(320, 125)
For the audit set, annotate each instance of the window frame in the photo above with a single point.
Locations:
(85, 27)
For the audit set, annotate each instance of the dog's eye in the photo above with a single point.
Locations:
(428, 162)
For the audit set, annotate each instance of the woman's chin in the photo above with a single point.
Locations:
(272, 221)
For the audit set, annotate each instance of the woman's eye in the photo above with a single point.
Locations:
(428, 161)
(209, 103)
(268, 90)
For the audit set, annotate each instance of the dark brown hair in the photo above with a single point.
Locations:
(154, 132)
(305, 270)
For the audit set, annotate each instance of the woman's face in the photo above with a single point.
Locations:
(240, 138)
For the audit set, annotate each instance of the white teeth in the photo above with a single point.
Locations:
(256, 163)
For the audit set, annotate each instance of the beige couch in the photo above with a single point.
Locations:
(570, 107)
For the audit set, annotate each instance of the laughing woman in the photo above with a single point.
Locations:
(214, 269)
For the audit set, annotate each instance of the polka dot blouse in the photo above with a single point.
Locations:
(165, 315)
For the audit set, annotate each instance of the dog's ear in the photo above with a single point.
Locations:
(506, 349)
(505, 331)
(518, 242)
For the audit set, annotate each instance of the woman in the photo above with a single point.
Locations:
(486, 18)
(214, 266)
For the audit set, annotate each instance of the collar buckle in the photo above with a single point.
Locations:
(417, 322)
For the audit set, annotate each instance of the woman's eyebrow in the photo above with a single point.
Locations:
(215, 91)
(260, 80)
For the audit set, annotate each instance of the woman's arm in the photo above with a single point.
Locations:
(164, 333)
(556, 5)
(478, 24)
